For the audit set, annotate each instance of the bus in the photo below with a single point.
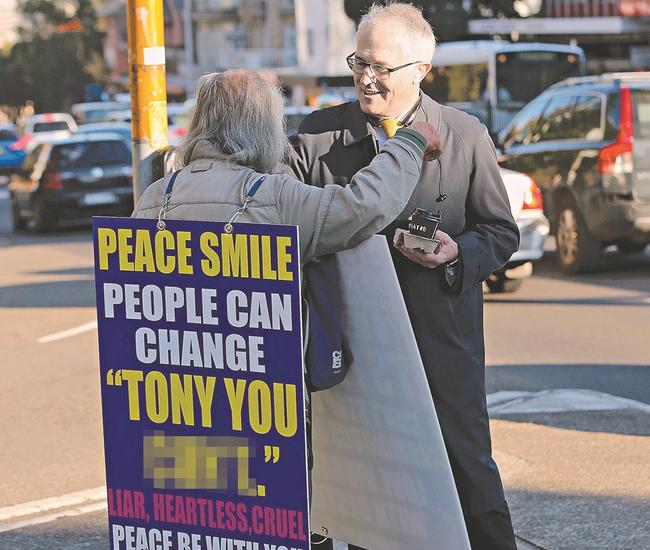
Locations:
(494, 79)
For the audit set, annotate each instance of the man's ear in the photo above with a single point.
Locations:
(423, 69)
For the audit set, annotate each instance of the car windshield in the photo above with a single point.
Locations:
(50, 126)
(541, 69)
(97, 115)
(89, 154)
(8, 135)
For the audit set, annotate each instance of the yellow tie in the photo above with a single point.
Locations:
(390, 126)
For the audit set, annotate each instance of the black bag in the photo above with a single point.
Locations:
(326, 360)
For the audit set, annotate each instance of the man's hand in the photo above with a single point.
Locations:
(431, 136)
(448, 251)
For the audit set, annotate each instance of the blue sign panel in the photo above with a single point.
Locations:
(202, 386)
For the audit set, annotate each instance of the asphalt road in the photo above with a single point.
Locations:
(572, 442)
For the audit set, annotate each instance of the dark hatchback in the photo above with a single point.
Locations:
(67, 181)
(586, 143)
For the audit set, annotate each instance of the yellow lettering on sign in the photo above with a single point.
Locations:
(284, 259)
(255, 256)
(144, 260)
(211, 265)
(125, 249)
(106, 245)
(236, 400)
(164, 241)
(184, 252)
(267, 265)
(234, 255)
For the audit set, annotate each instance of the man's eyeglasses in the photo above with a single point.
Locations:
(359, 66)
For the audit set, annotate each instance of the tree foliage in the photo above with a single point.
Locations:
(448, 18)
(59, 51)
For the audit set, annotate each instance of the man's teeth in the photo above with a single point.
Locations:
(370, 92)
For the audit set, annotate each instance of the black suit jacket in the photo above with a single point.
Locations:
(331, 145)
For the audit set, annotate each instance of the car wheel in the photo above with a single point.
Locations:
(629, 247)
(498, 284)
(40, 221)
(577, 250)
(17, 221)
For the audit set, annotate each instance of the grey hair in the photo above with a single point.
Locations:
(415, 26)
(241, 114)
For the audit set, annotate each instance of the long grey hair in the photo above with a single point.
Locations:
(241, 115)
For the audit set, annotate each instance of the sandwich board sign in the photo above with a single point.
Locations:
(381, 476)
(202, 385)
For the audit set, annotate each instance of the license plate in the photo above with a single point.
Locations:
(93, 199)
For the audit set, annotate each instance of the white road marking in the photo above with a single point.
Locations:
(53, 508)
(86, 327)
(47, 518)
(53, 503)
(559, 400)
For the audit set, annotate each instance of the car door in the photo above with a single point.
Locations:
(578, 155)
(551, 149)
(518, 141)
(641, 150)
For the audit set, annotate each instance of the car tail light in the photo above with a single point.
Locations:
(21, 143)
(52, 181)
(616, 158)
(532, 197)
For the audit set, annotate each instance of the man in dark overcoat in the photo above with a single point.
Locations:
(443, 291)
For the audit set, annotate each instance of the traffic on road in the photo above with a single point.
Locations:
(566, 318)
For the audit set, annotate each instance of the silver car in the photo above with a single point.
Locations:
(527, 209)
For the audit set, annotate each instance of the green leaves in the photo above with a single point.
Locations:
(58, 53)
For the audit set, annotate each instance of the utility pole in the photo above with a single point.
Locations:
(188, 39)
(146, 37)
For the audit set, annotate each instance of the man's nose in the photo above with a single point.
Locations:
(368, 76)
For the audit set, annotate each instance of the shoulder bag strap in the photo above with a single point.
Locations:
(247, 200)
(228, 227)
(166, 198)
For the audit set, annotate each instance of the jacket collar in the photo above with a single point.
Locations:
(205, 150)
(358, 127)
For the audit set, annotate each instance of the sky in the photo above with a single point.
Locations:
(8, 21)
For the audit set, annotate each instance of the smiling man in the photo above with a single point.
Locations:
(442, 290)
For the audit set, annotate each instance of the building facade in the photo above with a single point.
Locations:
(112, 20)
(304, 42)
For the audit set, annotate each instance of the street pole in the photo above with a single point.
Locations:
(146, 37)
(188, 39)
